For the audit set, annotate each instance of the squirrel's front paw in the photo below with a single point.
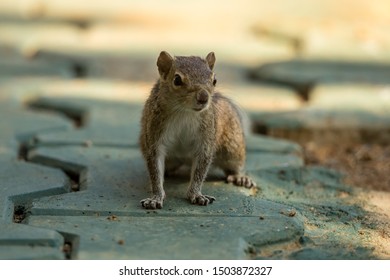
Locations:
(152, 203)
(241, 180)
(201, 199)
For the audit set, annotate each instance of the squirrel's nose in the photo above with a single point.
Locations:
(202, 97)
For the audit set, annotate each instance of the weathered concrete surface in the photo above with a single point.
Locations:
(172, 237)
(348, 110)
(112, 179)
(303, 75)
(115, 194)
(20, 182)
(23, 125)
(297, 212)
(99, 121)
(124, 183)
(17, 186)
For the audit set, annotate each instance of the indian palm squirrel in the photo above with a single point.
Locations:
(185, 120)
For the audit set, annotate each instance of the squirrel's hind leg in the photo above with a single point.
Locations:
(235, 175)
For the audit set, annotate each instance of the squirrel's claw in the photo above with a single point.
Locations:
(152, 203)
(201, 199)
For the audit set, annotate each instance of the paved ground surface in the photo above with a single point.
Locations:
(73, 78)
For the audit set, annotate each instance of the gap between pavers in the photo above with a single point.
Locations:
(22, 125)
(21, 182)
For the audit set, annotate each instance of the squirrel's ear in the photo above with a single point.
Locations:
(164, 64)
(210, 58)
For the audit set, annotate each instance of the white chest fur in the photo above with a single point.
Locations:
(181, 136)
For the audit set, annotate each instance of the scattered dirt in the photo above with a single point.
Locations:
(362, 157)
(365, 165)
(289, 212)
(113, 218)
(67, 250)
(20, 214)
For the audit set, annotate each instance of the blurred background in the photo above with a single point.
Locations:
(316, 72)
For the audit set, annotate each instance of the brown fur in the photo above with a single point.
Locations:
(190, 122)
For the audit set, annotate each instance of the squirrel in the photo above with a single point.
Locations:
(186, 120)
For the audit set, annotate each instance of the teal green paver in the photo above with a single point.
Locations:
(10, 252)
(24, 235)
(164, 237)
(302, 74)
(20, 183)
(117, 179)
(103, 218)
(324, 119)
(19, 66)
(20, 126)
(323, 254)
(256, 143)
(106, 123)
(308, 185)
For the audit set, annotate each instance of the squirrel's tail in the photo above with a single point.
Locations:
(242, 115)
(244, 118)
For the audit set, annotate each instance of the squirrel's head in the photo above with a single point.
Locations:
(190, 80)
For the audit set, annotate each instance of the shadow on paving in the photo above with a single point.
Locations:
(336, 225)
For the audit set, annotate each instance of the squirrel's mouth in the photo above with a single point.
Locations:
(200, 107)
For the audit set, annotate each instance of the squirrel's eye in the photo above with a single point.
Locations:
(177, 80)
(214, 81)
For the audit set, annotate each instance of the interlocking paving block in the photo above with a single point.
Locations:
(189, 237)
(330, 254)
(116, 180)
(117, 124)
(24, 235)
(107, 63)
(322, 118)
(22, 125)
(301, 186)
(331, 227)
(112, 181)
(11, 67)
(349, 96)
(106, 123)
(30, 253)
(303, 74)
(20, 182)
(256, 143)
(270, 161)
